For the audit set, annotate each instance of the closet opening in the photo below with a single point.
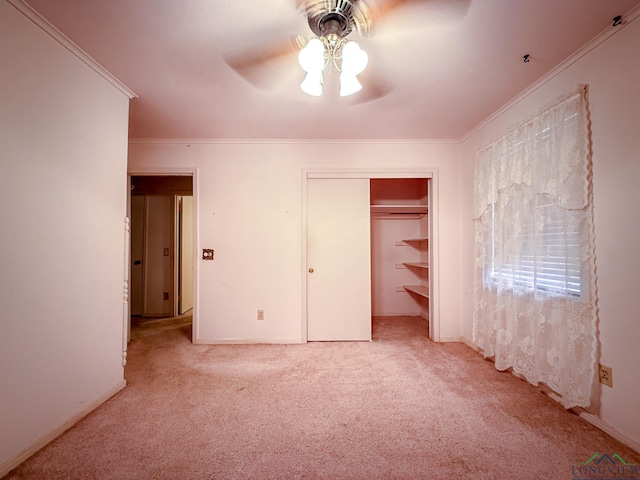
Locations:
(400, 253)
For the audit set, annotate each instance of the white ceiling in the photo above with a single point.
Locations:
(445, 65)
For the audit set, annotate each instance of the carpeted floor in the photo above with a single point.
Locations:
(400, 407)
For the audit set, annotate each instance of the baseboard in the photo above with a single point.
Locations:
(608, 429)
(16, 460)
(449, 339)
(245, 341)
(469, 344)
(398, 314)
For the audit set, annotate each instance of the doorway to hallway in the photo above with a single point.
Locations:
(162, 252)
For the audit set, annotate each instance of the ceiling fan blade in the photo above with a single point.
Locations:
(434, 10)
(374, 87)
(253, 66)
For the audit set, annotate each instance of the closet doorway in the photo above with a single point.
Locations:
(378, 235)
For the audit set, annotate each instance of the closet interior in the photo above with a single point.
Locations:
(400, 247)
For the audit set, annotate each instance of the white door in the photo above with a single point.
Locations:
(137, 254)
(185, 282)
(338, 259)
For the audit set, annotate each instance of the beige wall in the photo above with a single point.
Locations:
(250, 211)
(612, 71)
(63, 132)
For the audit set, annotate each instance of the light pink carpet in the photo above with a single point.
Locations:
(400, 407)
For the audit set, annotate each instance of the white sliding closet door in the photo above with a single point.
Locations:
(338, 259)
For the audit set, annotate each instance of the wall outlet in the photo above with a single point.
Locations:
(260, 314)
(606, 375)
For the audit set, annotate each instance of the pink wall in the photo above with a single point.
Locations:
(250, 211)
(611, 68)
(63, 183)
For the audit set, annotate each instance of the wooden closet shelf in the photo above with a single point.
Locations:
(416, 264)
(400, 209)
(418, 290)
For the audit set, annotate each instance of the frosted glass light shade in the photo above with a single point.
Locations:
(312, 84)
(349, 84)
(354, 59)
(311, 57)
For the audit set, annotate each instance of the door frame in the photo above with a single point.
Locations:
(430, 173)
(192, 172)
(177, 246)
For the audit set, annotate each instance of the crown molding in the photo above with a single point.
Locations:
(609, 32)
(67, 43)
(292, 141)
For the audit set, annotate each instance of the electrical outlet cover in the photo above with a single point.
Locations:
(606, 375)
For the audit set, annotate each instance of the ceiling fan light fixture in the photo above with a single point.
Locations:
(332, 21)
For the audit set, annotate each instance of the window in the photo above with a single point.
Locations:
(550, 257)
(535, 271)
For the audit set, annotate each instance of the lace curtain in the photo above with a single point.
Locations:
(534, 271)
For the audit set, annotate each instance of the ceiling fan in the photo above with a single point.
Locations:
(331, 22)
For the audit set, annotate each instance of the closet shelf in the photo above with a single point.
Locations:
(400, 209)
(416, 264)
(418, 290)
(415, 240)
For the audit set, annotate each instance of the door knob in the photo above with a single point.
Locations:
(311, 270)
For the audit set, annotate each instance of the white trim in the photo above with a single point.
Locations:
(248, 341)
(192, 172)
(434, 257)
(607, 428)
(628, 18)
(126, 310)
(45, 439)
(469, 344)
(451, 340)
(368, 173)
(67, 43)
(303, 260)
(434, 232)
(162, 171)
(399, 314)
(304, 141)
